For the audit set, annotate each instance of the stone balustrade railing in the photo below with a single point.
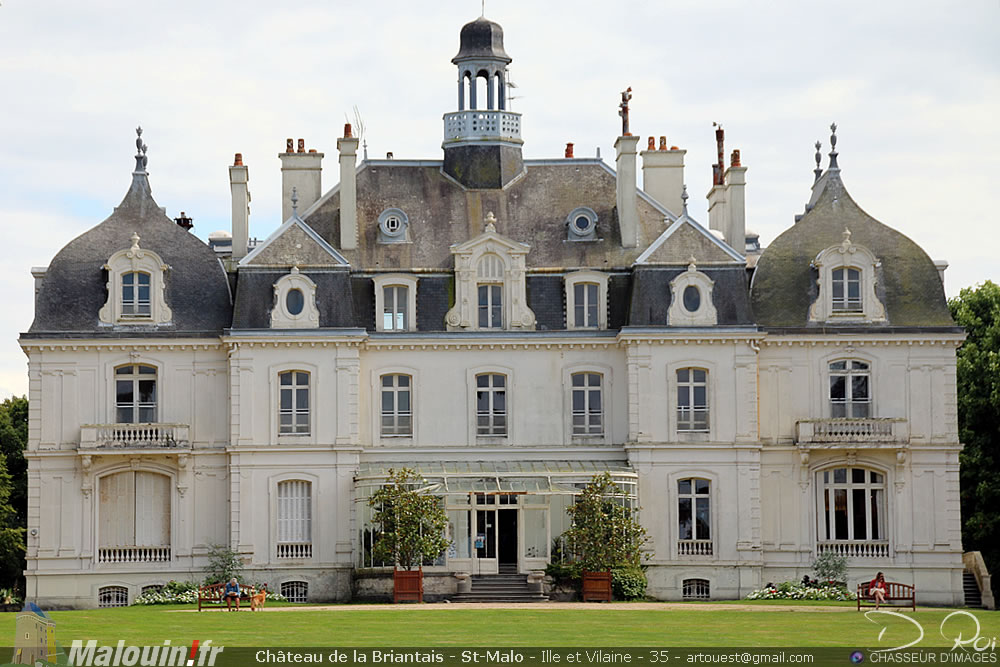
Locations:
(856, 431)
(133, 436)
(477, 124)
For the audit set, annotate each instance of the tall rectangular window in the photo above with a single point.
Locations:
(694, 510)
(585, 305)
(588, 404)
(293, 411)
(397, 414)
(490, 306)
(135, 294)
(850, 394)
(692, 399)
(847, 290)
(135, 394)
(394, 315)
(491, 404)
(294, 519)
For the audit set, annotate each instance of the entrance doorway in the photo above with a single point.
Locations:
(507, 539)
(496, 540)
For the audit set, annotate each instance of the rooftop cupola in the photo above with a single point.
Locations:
(482, 140)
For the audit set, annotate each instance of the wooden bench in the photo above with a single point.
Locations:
(214, 594)
(894, 592)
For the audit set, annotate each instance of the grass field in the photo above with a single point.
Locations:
(762, 624)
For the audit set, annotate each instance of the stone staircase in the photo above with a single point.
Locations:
(507, 586)
(972, 597)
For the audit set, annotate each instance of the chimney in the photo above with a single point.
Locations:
(663, 174)
(628, 208)
(303, 171)
(184, 222)
(569, 150)
(348, 147)
(736, 183)
(239, 179)
(718, 218)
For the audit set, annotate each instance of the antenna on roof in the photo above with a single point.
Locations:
(360, 124)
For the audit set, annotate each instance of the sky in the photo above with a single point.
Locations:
(914, 87)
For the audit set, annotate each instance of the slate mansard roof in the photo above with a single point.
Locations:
(74, 287)
(784, 283)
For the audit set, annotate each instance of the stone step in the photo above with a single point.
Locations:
(972, 596)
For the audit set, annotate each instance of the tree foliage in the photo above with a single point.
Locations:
(223, 565)
(411, 522)
(13, 489)
(978, 310)
(605, 533)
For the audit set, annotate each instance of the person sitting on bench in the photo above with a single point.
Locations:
(876, 589)
(232, 592)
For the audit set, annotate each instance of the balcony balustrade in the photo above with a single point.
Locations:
(855, 548)
(134, 436)
(133, 555)
(694, 547)
(475, 124)
(295, 550)
(876, 431)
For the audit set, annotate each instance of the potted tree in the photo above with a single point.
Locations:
(412, 524)
(604, 535)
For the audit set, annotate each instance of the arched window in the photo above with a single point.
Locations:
(293, 410)
(112, 596)
(491, 404)
(588, 404)
(135, 295)
(294, 519)
(295, 591)
(694, 517)
(135, 394)
(397, 412)
(852, 512)
(850, 394)
(134, 518)
(490, 285)
(692, 399)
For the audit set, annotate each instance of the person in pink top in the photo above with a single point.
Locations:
(877, 589)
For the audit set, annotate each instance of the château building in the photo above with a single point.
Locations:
(508, 327)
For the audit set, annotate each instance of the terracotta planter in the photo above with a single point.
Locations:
(408, 585)
(597, 586)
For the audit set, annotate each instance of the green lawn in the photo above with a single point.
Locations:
(440, 625)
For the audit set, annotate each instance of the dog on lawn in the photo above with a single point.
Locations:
(257, 599)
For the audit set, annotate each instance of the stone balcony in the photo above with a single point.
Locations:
(855, 548)
(482, 125)
(874, 432)
(134, 436)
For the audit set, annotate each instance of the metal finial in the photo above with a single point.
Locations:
(818, 156)
(833, 146)
(684, 198)
(623, 111)
(140, 152)
(295, 201)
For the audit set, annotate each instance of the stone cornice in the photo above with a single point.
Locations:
(146, 344)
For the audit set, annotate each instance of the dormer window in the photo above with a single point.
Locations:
(490, 284)
(395, 302)
(581, 224)
(846, 285)
(393, 226)
(586, 300)
(294, 302)
(136, 287)
(846, 290)
(691, 299)
(135, 294)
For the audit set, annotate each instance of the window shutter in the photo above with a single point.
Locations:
(117, 510)
(152, 507)
(295, 511)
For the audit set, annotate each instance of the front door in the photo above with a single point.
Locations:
(507, 539)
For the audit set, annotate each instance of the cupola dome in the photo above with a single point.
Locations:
(481, 38)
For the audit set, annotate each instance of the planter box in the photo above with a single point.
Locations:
(408, 585)
(597, 586)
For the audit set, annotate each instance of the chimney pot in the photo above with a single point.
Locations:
(569, 149)
(347, 130)
(651, 145)
(289, 145)
(674, 148)
(735, 159)
(388, 155)
(302, 145)
(312, 150)
(237, 162)
(663, 143)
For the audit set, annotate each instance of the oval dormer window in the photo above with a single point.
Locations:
(582, 223)
(692, 299)
(295, 301)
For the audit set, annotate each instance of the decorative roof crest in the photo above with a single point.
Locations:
(692, 263)
(140, 152)
(833, 146)
(684, 198)
(135, 241)
(295, 202)
(818, 171)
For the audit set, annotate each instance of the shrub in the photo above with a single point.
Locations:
(223, 565)
(830, 566)
(628, 583)
(787, 590)
(411, 522)
(185, 592)
(605, 532)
